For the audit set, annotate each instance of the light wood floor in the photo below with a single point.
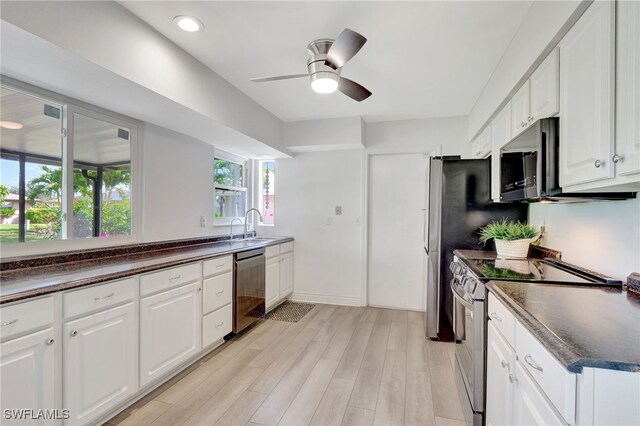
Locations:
(338, 365)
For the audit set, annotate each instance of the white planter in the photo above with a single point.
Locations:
(516, 249)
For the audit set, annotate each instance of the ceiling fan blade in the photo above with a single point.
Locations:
(353, 89)
(344, 48)
(278, 77)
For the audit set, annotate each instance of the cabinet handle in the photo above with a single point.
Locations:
(598, 163)
(49, 341)
(495, 316)
(479, 152)
(74, 333)
(523, 124)
(220, 265)
(103, 297)
(220, 324)
(512, 378)
(177, 277)
(4, 324)
(199, 289)
(529, 360)
(616, 158)
(219, 292)
(504, 363)
(530, 119)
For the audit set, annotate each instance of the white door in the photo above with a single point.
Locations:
(272, 281)
(544, 87)
(500, 391)
(99, 362)
(520, 117)
(396, 200)
(587, 97)
(286, 275)
(27, 371)
(169, 330)
(531, 407)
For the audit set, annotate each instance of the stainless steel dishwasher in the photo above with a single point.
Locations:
(249, 288)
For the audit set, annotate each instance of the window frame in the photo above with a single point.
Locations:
(69, 106)
(218, 155)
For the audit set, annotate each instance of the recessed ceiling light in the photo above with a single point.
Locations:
(11, 125)
(188, 23)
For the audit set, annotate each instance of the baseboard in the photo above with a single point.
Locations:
(325, 298)
(397, 308)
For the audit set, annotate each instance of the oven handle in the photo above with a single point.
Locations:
(459, 297)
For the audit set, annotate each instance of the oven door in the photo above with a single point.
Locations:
(469, 328)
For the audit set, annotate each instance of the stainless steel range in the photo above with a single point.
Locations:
(470, 313)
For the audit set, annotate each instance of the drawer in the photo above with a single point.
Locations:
(558, 384)
(271, 251)
(216, 325)
(502, 319)
(286, 247)
(169, 278)
(26, 316)
(98, 297)
(217, 265)
(217, 292)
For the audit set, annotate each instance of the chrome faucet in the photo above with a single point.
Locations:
(231, 227)
(246, 222)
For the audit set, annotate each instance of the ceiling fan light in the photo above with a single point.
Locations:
(324, 85)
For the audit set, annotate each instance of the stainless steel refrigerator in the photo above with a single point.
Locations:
(458, 204)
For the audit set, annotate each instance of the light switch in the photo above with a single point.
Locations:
(338, 210)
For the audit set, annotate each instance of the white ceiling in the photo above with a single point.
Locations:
(422, 59)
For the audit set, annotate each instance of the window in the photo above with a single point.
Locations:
(59, 188)
(267, 191)
(230, 190)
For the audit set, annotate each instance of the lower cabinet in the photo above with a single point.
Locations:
(286, 274)
(531, 407)
(27, 370)
(278, 274)
(169, 330)
(272, 282)
(501, 360)
(216, 325)
(99, 363)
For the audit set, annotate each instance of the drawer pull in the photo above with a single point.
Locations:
(495, 316)
(49, 341)
(219, 292)
(177, 277)
(504, 363)
(512, 378)
(220, 324)
(104, 297)
(529, 360)
(220, 265)
(4, 324)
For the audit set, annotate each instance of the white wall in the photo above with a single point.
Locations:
(328, 257)
(324, 135)
(601, 236)
(418, 136)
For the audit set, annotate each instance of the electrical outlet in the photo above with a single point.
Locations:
(338, 210)
(203, 221)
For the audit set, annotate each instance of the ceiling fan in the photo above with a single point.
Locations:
(325, 63)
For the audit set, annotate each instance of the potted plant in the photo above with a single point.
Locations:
(512, 238)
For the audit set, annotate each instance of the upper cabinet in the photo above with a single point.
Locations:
(481, 146)
(538, 96)
(587, 97)
(500, 135)
(627, 151)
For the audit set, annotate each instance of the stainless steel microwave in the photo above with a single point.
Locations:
(530, 164)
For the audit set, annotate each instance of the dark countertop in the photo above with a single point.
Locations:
(595, 327)
(19, 284)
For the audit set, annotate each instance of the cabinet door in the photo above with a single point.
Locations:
(628, 88)
(520, 117)
(272, 282)
(169, 330)
(99, 362)
(500, 391)
(544, 88)
(286, 275)
(531, 406)
(481, 146)
(500, 135)
(586, 97)
(27, 374)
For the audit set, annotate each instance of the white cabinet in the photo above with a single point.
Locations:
(520, 117)
(169, 330)
(278, 274)
(501, 361)
(628, 89)
(531, 407)
(481, 146)
(27, 370)
(500, 135)
(272, 282)
(587, 97)
(100, 361)
(217, 297)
